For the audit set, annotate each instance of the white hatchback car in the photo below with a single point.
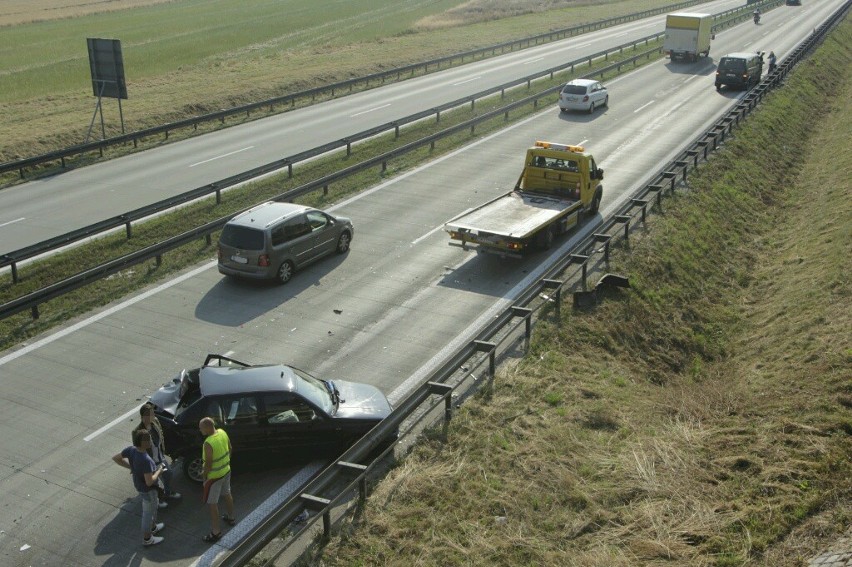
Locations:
(583, 94)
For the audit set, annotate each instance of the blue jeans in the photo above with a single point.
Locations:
(150, 502)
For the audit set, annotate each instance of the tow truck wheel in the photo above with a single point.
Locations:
(596, 204)
(545, 238)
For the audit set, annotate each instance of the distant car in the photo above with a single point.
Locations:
(273, 240)
(583, 94)
(793, 2)
(267, 410)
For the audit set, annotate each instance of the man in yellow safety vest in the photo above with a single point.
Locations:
(216, 453)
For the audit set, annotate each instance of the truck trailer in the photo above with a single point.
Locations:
(688, 36)
(557, 184)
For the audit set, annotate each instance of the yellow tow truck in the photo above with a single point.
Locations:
(557, 184)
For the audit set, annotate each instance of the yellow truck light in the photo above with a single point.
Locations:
(561, 147)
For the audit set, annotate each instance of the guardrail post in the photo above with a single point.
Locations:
(218, 196)
(671, 176)
(472, 103)
(362, 479)
(158, 259)
(491, 349)
(290, 170)
(444, 390)
(694, 155)
(396, 130)
(384, 166)
(557, 285)
(658, 190)
(128, 229)
(14, 267)
(438, 116)
(349, 145)
(605, 238)
(682, 164)
(703, 144)
(325, 190)
(626, 220)
(34, 312)
(526, 313)
(317, 503)
(583, 261)
(643, 204)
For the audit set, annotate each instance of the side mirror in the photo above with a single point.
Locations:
(599, 174)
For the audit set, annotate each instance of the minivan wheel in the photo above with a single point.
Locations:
(193, 468)
(343, 243)
(285, 272)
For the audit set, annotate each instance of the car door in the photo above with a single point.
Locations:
(294, 240)
(600, 94)
(292, 424)
(239, 416)
(323, 228)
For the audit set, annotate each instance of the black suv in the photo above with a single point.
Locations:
(264, 409)
(739, 70)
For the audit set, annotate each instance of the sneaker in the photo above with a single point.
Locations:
(157, 527)
(162, 504)
(173, 496)
(153, 540)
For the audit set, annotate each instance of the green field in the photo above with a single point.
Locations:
(188, 57)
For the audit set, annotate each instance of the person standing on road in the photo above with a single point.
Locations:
(145, 475)
(216, 453)
(150, 423)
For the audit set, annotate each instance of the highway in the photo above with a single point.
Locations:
(386, 313)
(44, 208)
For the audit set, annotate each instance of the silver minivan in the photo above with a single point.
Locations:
(273, 240)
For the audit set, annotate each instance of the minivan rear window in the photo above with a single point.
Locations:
(574, 89)
(727, 64)
(242, 237)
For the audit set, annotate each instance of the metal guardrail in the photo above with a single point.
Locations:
(336, 483)
(32, 300)
(378, 78)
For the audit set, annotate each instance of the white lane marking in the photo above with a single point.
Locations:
(105, 313)
(436, 229)
(533, 60)
(582, 45)
(13, 221)
(747, 44)
(621, 34)
(583, 142)
(222, 156)
(643, 106)
(112, 423)
(371, 110)
(467, 80)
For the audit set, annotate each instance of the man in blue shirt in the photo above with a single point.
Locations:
(145, 475)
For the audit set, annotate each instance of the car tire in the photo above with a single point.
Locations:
(544, 239)
(343, 242)
(606, 102)
(591, 107)
(595, 205)
(285, 272)
(193, 468)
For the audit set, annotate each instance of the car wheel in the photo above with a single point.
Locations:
(343, 242)
(285, 272)
(193, 468)
(718, 88)
(591, 107)
(595, 204)
(545, 238)
(606, 102)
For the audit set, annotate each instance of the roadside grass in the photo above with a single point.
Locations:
(701, 417)
(38, 274)
(182, 61)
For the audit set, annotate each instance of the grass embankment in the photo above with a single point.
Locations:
(251, 52)
(37, 275)
(701, 417)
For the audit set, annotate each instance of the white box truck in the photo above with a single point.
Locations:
(688, 35)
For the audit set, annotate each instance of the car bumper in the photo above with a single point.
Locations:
(254, 273)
